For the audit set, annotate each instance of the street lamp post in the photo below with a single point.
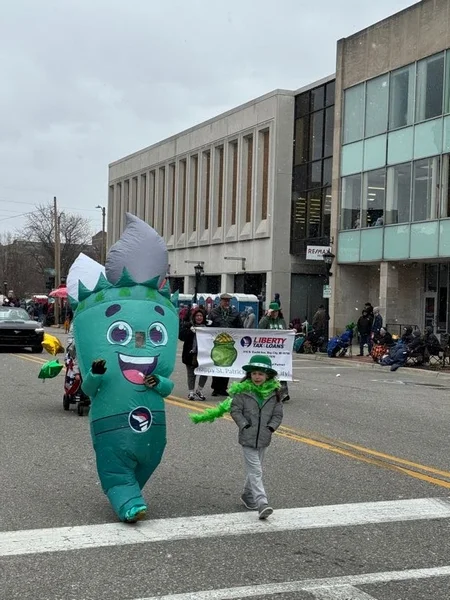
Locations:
(199, 270)
(103, 246)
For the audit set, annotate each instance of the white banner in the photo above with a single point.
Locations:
(316, 252)
(223, 352)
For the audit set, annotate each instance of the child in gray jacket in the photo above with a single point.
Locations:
(257, 410)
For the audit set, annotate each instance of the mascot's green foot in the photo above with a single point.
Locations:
(136, 513)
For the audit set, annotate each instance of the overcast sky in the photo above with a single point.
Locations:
(85, 82)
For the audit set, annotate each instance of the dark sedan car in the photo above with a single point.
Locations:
(17, 330)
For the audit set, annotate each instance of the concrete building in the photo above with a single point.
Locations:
(391, 184)
(220, 194)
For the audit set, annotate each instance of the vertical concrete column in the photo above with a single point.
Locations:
(189, 284)
(227, 283)
(388, 291)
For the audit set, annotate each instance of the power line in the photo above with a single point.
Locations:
(34, 204)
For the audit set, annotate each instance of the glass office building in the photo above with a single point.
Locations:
(393, 184)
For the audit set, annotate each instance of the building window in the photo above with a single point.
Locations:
(301, 140)
(354, 114)
(265, 175)
(377, 98)
(327, 171)
(134, 190)
(318, 98)
(315, 177)
(194, 191)
(398, 194)
(299, 214)
(302, 105)
(249, 178)
(317, 135)
(329, 93)
(351, 202)
(152, 195)
(172, 176)
(401, 97)
(425, 189)
(314, 214)
(219, 184)
(445, 187)
(183, 182)
(329, 132)
(126, 194)
(143, 196)
(234, 180)
(207, 165)
(326, 212)
(429, 87)
(162, 196)
(373, 198)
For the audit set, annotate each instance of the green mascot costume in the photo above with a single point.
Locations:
(125, 332)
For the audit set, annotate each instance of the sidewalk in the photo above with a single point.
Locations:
(368, 363)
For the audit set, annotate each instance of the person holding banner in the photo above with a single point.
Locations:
(274, 320)
(190, 351)
(225, 316)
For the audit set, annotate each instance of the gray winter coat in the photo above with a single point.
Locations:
(245, 410)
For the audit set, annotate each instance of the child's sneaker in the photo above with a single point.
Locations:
(192, 396)
(265, 511)
(200, 395)
(248, 502)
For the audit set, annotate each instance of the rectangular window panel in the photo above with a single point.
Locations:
(354, 114)
(315, 179)
(143, 196)
(302, 105)
(194, 191)
(234, 180)
(373, 198)
(172, 175)
(299, 216)
(351, 202)
(329, 93)
(398, 194)
(377, 96)
(327, 171)
(426, 189)
(447, 83)
(249, 179)
(134, 193)
(314, 214)
(317, 98)
(329, 132)
(152, 196)
(207, 167)
(300, 178)
(429, 87)
(219, 184)
(445, 187)
(162, 197)
(183, 190)
(401, 97)
(317, 135)
(301, 141)
(326, 223)
(265, 176)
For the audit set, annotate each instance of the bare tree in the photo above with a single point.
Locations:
(39, 230)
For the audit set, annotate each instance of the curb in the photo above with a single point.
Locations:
(374, 366)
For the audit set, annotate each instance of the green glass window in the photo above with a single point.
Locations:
(377, 98)
(398, 194)
(429, 87)
(327, 212)
(425, 189)
(372, 205)
(354, 114)
(351, 202)
(301, 141)
(401, 97)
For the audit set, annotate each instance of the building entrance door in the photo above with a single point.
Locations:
(430, 316)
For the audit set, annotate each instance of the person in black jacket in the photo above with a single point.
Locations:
(225, 316)
(189, 353)
(364, 326)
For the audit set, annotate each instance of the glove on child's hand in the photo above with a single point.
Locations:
(151, 381)
(98, 367)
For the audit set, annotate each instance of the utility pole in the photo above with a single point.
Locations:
(57, 258)
(103, 246)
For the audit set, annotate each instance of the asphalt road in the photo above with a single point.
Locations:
(350, 476)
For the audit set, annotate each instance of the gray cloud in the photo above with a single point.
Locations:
(85, 83)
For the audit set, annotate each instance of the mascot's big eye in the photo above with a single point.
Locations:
(119, 333)
(157, 334)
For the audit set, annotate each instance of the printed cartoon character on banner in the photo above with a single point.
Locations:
(125, 332)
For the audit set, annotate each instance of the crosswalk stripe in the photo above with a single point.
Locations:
(313, 586)
(14, 543)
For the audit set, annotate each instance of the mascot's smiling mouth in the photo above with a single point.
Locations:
(136, 368)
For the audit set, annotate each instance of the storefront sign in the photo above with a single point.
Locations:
(222, 352)
(326, 291)
(316, 252)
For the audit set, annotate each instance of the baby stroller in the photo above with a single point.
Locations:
(73, 394)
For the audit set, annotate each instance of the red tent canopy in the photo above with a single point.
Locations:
(60, 292)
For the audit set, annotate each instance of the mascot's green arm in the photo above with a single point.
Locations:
(91, 384)
(211, 414)
(164, 387)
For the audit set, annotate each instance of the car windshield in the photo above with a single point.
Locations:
(13, 314)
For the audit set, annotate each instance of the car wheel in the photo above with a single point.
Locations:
(66, 402)
(37, 349)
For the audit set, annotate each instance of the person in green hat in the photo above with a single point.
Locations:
(273, 319)
(257, 410)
